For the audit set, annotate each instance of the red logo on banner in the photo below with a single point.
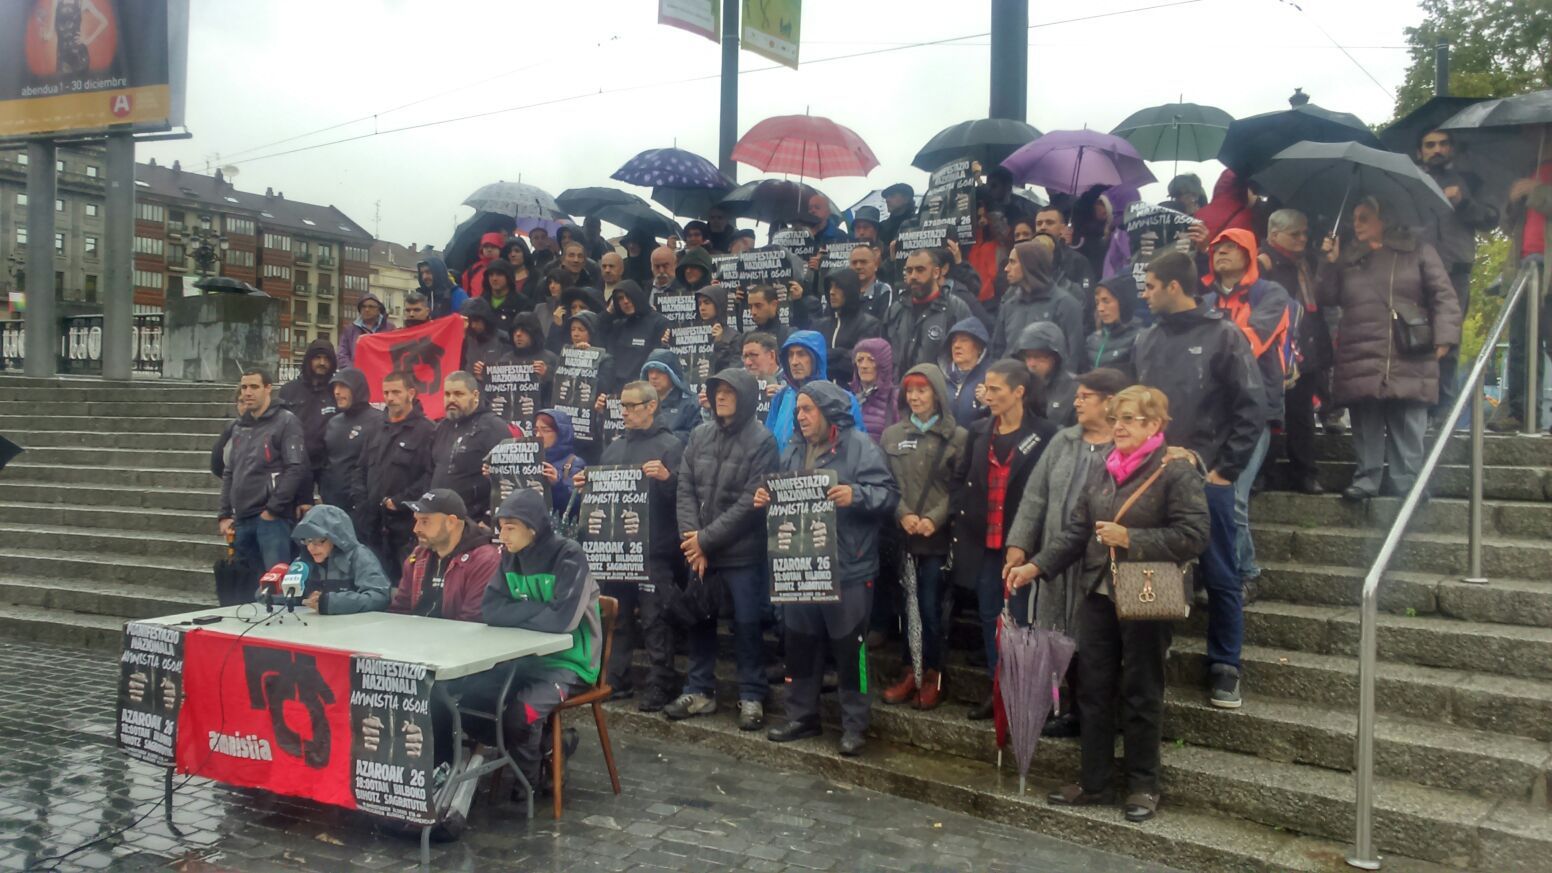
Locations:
(428, 352)
(121, 104)
(267, 716)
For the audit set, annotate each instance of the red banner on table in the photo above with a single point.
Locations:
(267, 716)
(428, 352)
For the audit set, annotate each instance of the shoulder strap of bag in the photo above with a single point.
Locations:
(1138, 493)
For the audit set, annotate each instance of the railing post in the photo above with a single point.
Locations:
(1474, 509)
(1363, 856)
(1530, 426)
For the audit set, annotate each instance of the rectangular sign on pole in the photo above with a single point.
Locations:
(771, 29)
(92, 65)
(801, 537)
(702, 17)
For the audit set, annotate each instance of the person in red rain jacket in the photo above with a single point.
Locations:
(490, 249)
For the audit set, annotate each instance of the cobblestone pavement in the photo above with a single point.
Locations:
(63, 783)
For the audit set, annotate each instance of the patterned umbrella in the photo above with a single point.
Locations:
(1076, 160)
(671, 168)
(913, 622)
(530, 205)
(808, 146)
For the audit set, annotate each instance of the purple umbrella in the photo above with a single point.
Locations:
(672, 168)
(1075, 160)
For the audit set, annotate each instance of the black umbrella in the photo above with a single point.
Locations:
(8, 451)
(1251, 142)
(587, 201)
(637, 218)
(1176, 131)
(987, 140)
(776, 201)
(1403, 135)
(1503, 140)
(226, 284)
(1320, 178)
(464, 248)
(689, 202)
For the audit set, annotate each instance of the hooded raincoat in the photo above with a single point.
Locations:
(880, 402)
(350, 579)
(446, 298)
(929, 465)
(679, 410)
(779, 420)
(1039, 297)
(1110, 345)
(630, 339)
(344, 440)
(1264, 311)
(962, 383)
(1060, 387)
(563, 457)
(847, 325)
(724, 462)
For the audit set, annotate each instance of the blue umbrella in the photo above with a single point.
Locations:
(672, 168)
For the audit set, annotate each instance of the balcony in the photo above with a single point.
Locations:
(326, 261)
(302, 288)
(177, 265)
(303, 256)
(175, 229)
(325, 290)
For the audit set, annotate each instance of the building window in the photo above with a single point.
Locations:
(355, 253)
(325, 312)
(298, 340)
(299, 311)
(59, 204)
(59, 166)
(325, 252)
(21, 235)
(238, 258)
(277, 241)
(148, 279)
(175, 254)
(59, 282)
(21, 199)
(355, 283)
(91, 210)
(21, 158)
(150, 212)
(277, 271)
(301, 249)
(90, 288)
(92, 172)
(147, 246)
(90, 246)
(241, 226)
(59, 243)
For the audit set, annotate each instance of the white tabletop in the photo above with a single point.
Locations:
(451, 648)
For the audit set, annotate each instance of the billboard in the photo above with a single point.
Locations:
(771, 29)
(702, 17)
(83, 66)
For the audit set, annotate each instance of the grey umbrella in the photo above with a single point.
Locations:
(1325, 178)
(1030, 664)
(913, 619)
(517, 200)
(1503, 140)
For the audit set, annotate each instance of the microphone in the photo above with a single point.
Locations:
(293, 583)
(269, 586)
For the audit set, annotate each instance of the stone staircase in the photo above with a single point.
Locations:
(110, 515)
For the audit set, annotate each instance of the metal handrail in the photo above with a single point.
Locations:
(1363, 855)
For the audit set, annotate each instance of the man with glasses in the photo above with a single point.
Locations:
(1286, 260)
(649, 444)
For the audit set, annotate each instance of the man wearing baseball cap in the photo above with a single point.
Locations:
(445, 576)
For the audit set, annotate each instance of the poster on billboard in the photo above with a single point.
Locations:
(701, 17)
(771, 29)
(91, 65)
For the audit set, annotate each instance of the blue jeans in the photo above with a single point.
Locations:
(1221, 578)
(988, 597)
(265, 543)
(751, 596)
(1244, 546)
(931, 588)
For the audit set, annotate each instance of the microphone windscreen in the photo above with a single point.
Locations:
(270, 581)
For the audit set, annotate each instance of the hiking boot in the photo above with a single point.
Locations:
(903, 691)
(570, 739)
(1250, 589)
(792, 730)
(689, 706)
(852, 743)
(751, 715)
(1064, 725)
(1308, 485)
(1225, 687)
(931, 692)
(653, 701)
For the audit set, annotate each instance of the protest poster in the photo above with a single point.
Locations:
(1151, 230)
(801, 537)
(613, 420)
(949, 201)
(763, 407)
(392, 739)
(614, 523)
(514, 465)
(576, 387)
(913, 237)
(512, 392)
(836, 257)
(770, 265)
(678, 308)
(797, 241)
(695, 345)
(150, 692)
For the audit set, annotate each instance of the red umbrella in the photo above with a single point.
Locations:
(808, 146)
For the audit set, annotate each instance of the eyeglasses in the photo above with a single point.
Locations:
(626, 405)
(1128, 420)
(1086, 396)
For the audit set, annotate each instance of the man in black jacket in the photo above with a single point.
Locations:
(650, 445)
(266, 470)
(917, 324)
(1204, 365)
(394, 469)
(722, 537)
(345, 438)
(632, 330)
(462, 441)
(310, 397)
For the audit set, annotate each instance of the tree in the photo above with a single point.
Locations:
(1497, 48)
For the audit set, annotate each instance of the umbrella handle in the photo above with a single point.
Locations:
(1342, 210)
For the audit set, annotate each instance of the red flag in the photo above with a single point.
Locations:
(267, 716)
(429, 352)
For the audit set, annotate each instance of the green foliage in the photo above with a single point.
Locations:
(1491, 253)
(1497, 48)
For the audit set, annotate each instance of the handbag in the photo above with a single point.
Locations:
(1410, 325)
(1148, 590)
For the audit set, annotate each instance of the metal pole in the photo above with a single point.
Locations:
(1532, 353)
(1010, 59)
(1363, 856)
(1441, 69)
(1474, 549)
(729, 125)
(118, 300)
(41, 319)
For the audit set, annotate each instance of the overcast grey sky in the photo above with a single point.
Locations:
(270, 71)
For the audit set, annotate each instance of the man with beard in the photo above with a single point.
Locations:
(436, 284)
(453, 559)
(345, 437)
(1454, 236)
(917, 324)
(417, 309)
(484, 344)
(310, 397)
(394, 469)
(901, 200)
(462, 441)
(664, 262)
(266, 468)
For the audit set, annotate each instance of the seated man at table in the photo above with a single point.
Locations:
(543, 585)
(446, 574)
(344, 575)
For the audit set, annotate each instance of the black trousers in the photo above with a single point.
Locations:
(643, 622)
(842, 629)
(1121, 677)
(1299, 424)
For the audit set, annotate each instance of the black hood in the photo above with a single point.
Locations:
(529, 507)
(833, 401)
(441, 282)
(480, 308)
(851, 290)
(319, 346)
(718, 297)
(360, 395)
(590, 298)
(696, 256)
(590, 321)
(744, 385)
(528, 323)
(637, 297)
(1124, 288)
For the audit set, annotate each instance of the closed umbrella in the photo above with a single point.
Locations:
(987, 140)
(1176, 132)
(913, 622)
(1073, 161)
(807, 146)
(1251, 142)
(776, 201)
(529, 205)
(587, 201)
(1030, 664)
(1320, 178)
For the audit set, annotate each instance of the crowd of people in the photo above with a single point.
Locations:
(987, 411)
